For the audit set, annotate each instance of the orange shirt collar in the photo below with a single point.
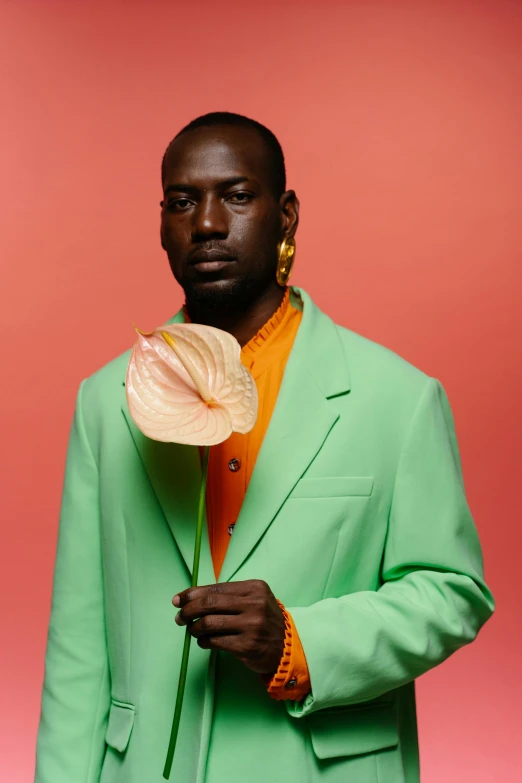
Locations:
(257, 355)
(269, 329)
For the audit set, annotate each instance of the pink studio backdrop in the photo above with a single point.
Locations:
(402, 127)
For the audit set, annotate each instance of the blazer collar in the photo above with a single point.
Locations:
(303, 417)
(319, 347)
(328, 368)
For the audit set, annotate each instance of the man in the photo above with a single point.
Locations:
(346, 559)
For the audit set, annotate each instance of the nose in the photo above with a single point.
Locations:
(210, 219)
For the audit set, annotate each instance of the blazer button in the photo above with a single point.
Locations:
(234, 465)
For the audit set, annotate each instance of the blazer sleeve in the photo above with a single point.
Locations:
(432, 599)
(75, 698)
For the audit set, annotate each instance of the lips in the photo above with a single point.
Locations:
(211, 260)
(213, 255)
(211, 266)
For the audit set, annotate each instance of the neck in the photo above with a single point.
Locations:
(242, 324)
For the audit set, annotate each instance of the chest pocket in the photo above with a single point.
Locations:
(333, 487)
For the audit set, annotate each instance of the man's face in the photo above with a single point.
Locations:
(221, 221)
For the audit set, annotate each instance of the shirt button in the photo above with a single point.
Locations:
(290, 684)
(231, 528)
(234, 465)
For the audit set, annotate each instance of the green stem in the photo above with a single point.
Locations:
(188, 637)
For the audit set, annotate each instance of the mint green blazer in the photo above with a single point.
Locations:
(355, 516)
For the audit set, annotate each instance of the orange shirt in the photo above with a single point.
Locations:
(230, 467)
(231, 463)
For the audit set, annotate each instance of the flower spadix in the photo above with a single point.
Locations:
(186, 384)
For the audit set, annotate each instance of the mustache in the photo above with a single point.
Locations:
(210, 251)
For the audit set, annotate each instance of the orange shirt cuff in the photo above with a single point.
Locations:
(292, 679)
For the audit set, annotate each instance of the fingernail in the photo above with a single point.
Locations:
(175, 600)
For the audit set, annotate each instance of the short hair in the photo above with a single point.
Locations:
(215, 118)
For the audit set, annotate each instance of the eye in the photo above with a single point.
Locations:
(240, 197)
(178, 204)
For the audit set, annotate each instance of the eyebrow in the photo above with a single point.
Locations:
(225, 183)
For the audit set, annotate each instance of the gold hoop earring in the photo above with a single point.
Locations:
(285, 260)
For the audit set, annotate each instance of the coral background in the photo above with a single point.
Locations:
(402, 127)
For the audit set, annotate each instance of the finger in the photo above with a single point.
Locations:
(211, 604)
(215, 625)
(222, 588)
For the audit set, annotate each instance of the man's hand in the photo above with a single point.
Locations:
(242, 618)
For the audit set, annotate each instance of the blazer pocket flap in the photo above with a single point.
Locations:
(349, 731)
(333, 486)
(121, 721)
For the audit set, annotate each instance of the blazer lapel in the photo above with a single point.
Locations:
(302, 419)
(174, 471)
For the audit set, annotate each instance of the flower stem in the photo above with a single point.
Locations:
(188, 637)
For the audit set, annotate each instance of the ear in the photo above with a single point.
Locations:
(289, 205)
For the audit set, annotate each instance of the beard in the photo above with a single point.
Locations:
(234, 295)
